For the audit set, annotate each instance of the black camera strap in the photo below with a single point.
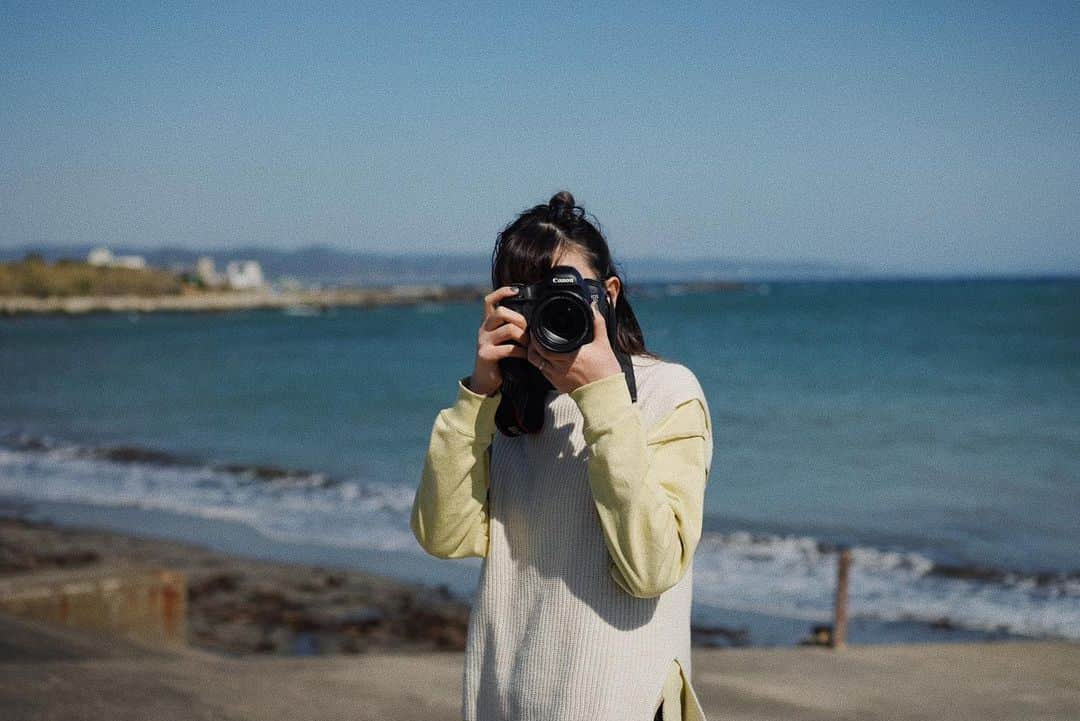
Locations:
(627, 366)
(524, 396)
(525, 392)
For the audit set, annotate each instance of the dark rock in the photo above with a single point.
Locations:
(707, 635)
(217, 583)
(943, 623)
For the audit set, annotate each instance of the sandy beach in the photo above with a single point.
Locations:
(238, 605)
(288, 641)
(50, 674)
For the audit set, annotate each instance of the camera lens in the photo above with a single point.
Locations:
(563, 323)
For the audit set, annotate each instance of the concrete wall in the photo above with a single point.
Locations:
(141, 603)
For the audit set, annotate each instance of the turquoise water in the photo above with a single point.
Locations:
(932, 425)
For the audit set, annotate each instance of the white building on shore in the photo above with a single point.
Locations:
(102, 256)
(244, 274)
(207, 273)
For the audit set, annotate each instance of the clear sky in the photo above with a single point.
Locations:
(906, 137)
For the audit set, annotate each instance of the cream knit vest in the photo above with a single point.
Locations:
(551, 636)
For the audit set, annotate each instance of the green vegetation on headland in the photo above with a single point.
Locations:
(35, 277)
(71, 287)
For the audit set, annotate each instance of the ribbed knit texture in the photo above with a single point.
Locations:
(551, 635)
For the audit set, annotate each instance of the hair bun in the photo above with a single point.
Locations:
(561, 205)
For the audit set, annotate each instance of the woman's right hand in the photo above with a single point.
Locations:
(499, 331)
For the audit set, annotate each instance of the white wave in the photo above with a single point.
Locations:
(783, 576)
(789, 577)
(351, 513)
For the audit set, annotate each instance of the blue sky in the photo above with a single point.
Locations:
(914, 138)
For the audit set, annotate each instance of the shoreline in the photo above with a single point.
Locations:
(302, 301)
(239, 606)
(234, 545)
(218, 301)
(255, 599)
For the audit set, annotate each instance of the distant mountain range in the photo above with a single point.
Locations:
(326, 266)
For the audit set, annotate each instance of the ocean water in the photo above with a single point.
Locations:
(933, 426)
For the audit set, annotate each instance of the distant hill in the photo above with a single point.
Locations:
(328, 267)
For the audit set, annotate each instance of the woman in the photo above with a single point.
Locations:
(589, 524)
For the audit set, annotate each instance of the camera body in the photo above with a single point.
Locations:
(558, 310)
(559, 316)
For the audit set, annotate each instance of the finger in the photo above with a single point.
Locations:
(491, 300)
(598, 318)
(509, 351)
(498, 352)
(508, 331)
(501, 314)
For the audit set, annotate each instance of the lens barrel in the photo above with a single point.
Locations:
(557, 309)
(563, 322)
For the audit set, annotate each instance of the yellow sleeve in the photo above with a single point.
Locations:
(649, 488)
(450, 511)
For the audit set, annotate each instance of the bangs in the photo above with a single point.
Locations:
(526, 257)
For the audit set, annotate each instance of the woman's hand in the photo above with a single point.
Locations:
(590, 362)
(500, 325)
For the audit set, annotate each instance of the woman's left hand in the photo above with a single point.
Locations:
(590, 362)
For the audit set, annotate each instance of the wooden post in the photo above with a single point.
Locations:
(839, 634)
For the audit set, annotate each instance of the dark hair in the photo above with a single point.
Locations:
(526, 248)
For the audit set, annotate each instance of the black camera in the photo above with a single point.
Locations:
(559, 316)
(558, 309)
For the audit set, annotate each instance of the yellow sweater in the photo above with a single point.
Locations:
(651, 540)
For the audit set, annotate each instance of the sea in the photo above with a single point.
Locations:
(930, 426)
